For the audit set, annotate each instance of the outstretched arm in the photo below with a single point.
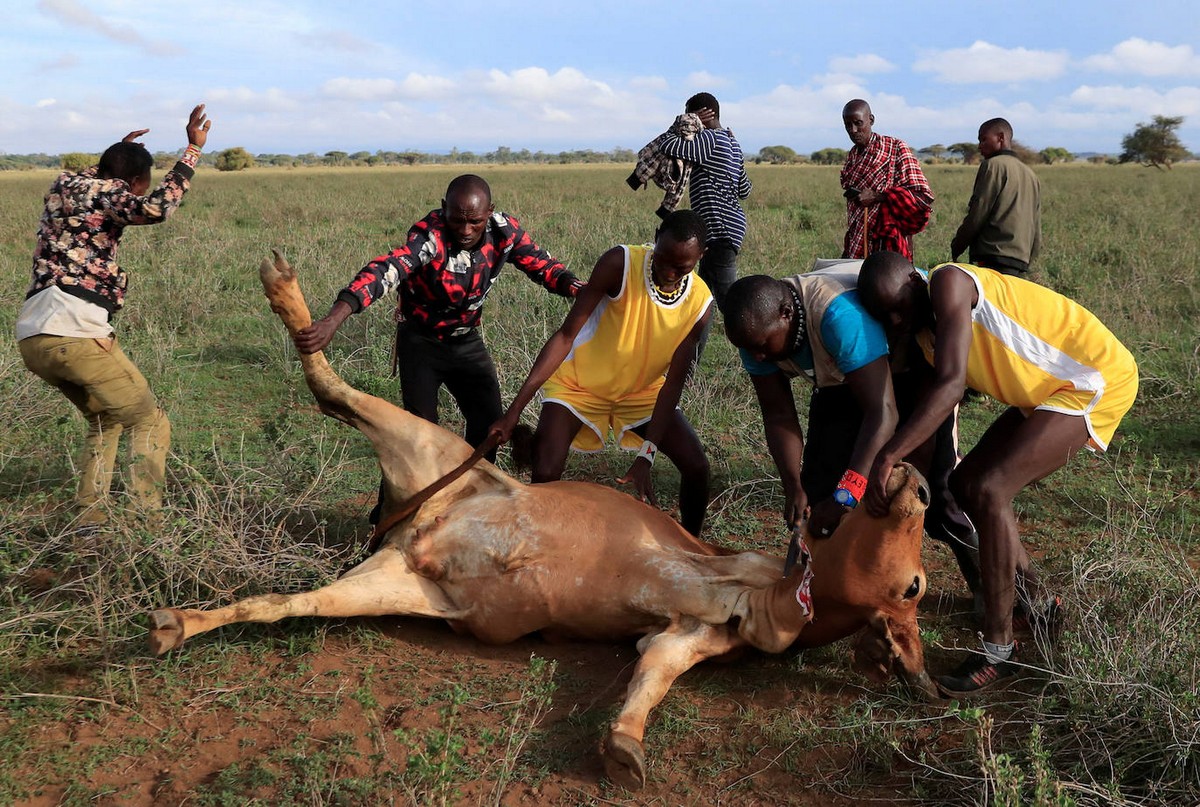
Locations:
(539, 266)
(605, 280)
(785, 439)
(127, 208)
(953, 295)
(871, 386)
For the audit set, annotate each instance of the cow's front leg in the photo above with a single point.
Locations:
(665, 656)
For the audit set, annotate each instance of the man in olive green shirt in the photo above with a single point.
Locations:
(1003, 226)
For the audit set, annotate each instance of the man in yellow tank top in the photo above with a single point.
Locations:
(619, 363)
(1067, 380)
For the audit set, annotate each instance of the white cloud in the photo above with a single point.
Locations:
(649, 83)
(1139, 100)
(704, 80)
(538, 84)
(862, 64)
(360, 89)
(416, 85)
(985, 63)
(73, 13)
(45, 102)
(1146, 58)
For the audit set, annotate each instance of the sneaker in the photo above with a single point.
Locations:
(1045, 622)
(976, 674)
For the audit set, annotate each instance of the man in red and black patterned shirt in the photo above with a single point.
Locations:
(444, 272)
(886, 190)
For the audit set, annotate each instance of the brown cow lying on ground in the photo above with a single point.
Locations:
(499, 559)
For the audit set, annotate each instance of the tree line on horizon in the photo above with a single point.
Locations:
(1155, 144)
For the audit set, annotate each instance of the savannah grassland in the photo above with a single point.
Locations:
(267, 495)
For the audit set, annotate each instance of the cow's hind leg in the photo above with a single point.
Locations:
(381, 585)
(665, 656)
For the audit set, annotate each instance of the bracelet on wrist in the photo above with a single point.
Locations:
(851, 488)
(648, 451)
(191, 155)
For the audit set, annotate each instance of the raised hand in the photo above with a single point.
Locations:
(197, 127)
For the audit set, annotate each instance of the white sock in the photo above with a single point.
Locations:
(996, 653)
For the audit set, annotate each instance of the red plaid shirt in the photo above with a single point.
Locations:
(442, 288)
(886, 165)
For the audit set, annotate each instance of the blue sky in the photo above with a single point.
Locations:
(305, 75)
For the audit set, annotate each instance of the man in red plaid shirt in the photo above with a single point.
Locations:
(443, 273)
(886, 191)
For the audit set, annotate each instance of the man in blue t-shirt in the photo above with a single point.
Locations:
(814, 325)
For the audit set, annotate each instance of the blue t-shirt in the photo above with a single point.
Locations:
(850, 334)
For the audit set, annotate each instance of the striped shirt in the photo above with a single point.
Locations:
(718, 181)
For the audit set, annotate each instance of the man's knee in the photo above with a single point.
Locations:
(549, 459)
(693, 469)
(139, 411)
(978, 493)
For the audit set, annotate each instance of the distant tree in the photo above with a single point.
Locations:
(1098, 159)
(1155, 144)
(1024, 153)
(829, 156)
(935, 151)
(360, 157)
(234, 159)
(777, 155)
(968, 151)
(618, 155)
(1055, 154)
(76, 161)
(336, 158)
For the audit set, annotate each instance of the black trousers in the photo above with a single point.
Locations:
(834, 419)
(463, 364)
(718, 268)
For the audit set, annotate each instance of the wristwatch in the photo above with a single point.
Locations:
(845, 498)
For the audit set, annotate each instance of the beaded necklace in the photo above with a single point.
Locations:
(799, 317)
(665, 297)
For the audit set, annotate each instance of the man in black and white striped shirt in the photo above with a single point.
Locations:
(718, 183)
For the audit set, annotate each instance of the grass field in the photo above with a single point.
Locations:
(268, 495)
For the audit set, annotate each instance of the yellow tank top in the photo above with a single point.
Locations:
(626, 345)
(1029, 342)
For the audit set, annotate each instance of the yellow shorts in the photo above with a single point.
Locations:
(1102, 412)
(600, 417)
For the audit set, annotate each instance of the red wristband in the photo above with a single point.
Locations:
(854, 482)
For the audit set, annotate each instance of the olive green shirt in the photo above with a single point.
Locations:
(1004, 218)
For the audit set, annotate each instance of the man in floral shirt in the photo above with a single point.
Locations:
(63, 330)
(443, 273)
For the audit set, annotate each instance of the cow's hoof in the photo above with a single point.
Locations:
(166, 631)
(625, 761)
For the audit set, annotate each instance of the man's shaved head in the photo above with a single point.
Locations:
(469, 184)
(997, 125)
(854, 105)
(881, 282)
(858, 120)
(752, 306)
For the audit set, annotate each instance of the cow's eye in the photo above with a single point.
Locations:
(914, 589)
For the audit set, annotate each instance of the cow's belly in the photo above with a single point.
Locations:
(547, 558)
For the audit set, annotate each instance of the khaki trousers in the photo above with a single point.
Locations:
(113, 396)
